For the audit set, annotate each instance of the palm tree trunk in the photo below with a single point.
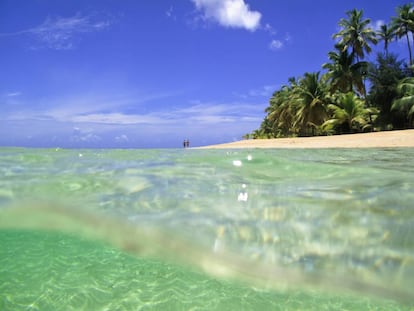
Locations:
(364, 85)
(412, 36)
(409, 49)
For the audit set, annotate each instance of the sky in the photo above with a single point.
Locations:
(149, 74)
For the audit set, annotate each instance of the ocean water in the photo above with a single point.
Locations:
(328, 229)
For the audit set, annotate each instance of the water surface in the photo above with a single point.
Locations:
(206, 229)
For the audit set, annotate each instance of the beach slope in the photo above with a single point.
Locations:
(385, 139)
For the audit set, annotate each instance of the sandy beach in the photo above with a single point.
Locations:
(385, 139)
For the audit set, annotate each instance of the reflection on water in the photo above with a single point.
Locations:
(305, 228)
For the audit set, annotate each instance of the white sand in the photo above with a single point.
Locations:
(385, 139)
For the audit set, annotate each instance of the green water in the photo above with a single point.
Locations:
(206, 230)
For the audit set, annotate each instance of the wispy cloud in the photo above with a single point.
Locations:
(213, 113)
(170, 13)
(275, 45)
(229, 13)
(200, 113)
(269, 29)
(116, 118)
(127, 111)
(279, 44)
(288, 37)
(63, 33)
(123, 138)
(264, 91)
(94, 107)
(81, 135)
(123, 121)
(13, 94)
(10, 101)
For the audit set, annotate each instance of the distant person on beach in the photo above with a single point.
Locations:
(186, 143)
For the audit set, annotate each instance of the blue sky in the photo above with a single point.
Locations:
(148, 74)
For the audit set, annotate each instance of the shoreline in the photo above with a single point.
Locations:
(384, 139)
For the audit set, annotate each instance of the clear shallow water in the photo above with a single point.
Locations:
(206, 229)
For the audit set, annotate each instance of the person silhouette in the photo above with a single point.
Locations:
(186, 143)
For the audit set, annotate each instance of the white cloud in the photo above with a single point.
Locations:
(229, 13)
(276, 45)
(377, 25)
(123, 138)
(63, 33)
(79, 135)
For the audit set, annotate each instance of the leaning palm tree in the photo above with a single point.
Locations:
(403, 24)
(386, 34)
(281, 111)
(356, 34)
(349, 113)
(405, 101)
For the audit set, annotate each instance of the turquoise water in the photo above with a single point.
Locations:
(206, 229)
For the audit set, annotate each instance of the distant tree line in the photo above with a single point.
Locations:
(351, 95)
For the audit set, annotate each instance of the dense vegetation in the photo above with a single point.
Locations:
(350, 95)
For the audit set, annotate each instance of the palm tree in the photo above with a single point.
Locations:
(356, 34)
(403, 24)
(311, 99)
(384, 76)
(281, 111)
(405, 101)
(386, 34)
(349, 113)
(344, 75)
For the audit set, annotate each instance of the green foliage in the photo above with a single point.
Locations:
(310, 98)
(386, 34)
(384, 77)
(405, 101)
(343, 73)
(349, 114)
(403, 24)
(337, 102)
(356, 34)
(281, 112)
(298, 108)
